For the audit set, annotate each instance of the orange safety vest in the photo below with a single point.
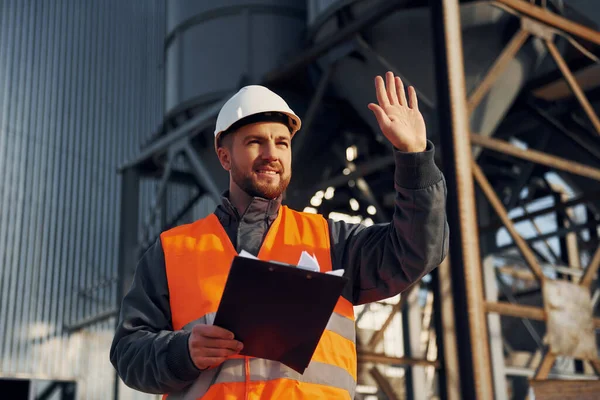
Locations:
(198, 257)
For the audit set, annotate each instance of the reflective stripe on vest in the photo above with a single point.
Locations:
(232, 371)
(198, 257)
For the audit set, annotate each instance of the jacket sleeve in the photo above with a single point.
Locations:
(385, 259)
(147, 354)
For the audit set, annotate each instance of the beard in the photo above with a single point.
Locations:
(248, 182)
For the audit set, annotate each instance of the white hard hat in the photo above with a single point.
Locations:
(254, 100)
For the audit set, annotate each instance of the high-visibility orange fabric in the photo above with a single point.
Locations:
(198, 258)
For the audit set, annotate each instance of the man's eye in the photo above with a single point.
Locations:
(285, 144)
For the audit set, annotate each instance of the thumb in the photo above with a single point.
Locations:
(381, 116)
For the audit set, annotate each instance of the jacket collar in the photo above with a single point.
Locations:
(260, 209)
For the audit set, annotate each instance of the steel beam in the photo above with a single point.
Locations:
(507, 55)
(378, 335)
(552, 19)
(474, 363)
(516, 310)
(545, 365)
(495, 329)
(128, 239)
(313, 107)
(361, 170)
(186, 131)
(522, 311)
(202, 174)
(538, 157)
(586, 197)
(529, 373)
(501, 211)
(591, 270)
(372, 16)
(577, 91)
(367, 356)
(585, 143)
(170, 224)
(384, 384)
(559, 232)
(443, 302)
(84, 323)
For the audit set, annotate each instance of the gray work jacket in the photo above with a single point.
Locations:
(381, 261)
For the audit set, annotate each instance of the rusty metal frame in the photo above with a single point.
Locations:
(533, 24)
(544, 18)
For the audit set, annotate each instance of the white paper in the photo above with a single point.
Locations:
(244, 253)
(308, 262)
(336, 272)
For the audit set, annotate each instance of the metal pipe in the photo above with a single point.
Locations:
(553, 19)
(539, 157)
(465, 259)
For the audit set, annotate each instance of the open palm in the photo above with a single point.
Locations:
(400, 120)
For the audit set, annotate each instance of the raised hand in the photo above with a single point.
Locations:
(399, 120)
(211, 345)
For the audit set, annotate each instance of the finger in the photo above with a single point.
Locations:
(412, 97)
(391, 88)
(217, 343)
(400, 91)
(382, 97)
(381, 116)
(212, 331)
(210, 352)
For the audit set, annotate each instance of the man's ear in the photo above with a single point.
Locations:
(224, 157)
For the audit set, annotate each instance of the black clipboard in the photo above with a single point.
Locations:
(278, 311)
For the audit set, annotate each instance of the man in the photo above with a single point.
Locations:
(166, 343)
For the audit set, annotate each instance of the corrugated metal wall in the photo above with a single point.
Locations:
(81, 86)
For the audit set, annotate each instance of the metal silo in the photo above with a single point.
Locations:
(213, 48)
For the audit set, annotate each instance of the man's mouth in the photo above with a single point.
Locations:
(267, 171)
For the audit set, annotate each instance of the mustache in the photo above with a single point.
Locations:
(274, 166)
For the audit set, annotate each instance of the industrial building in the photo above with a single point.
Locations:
(107, 110)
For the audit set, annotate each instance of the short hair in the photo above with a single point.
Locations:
(221, 142)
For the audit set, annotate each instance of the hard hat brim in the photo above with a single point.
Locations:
(294, 123)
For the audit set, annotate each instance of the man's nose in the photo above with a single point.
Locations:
(270, 151)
